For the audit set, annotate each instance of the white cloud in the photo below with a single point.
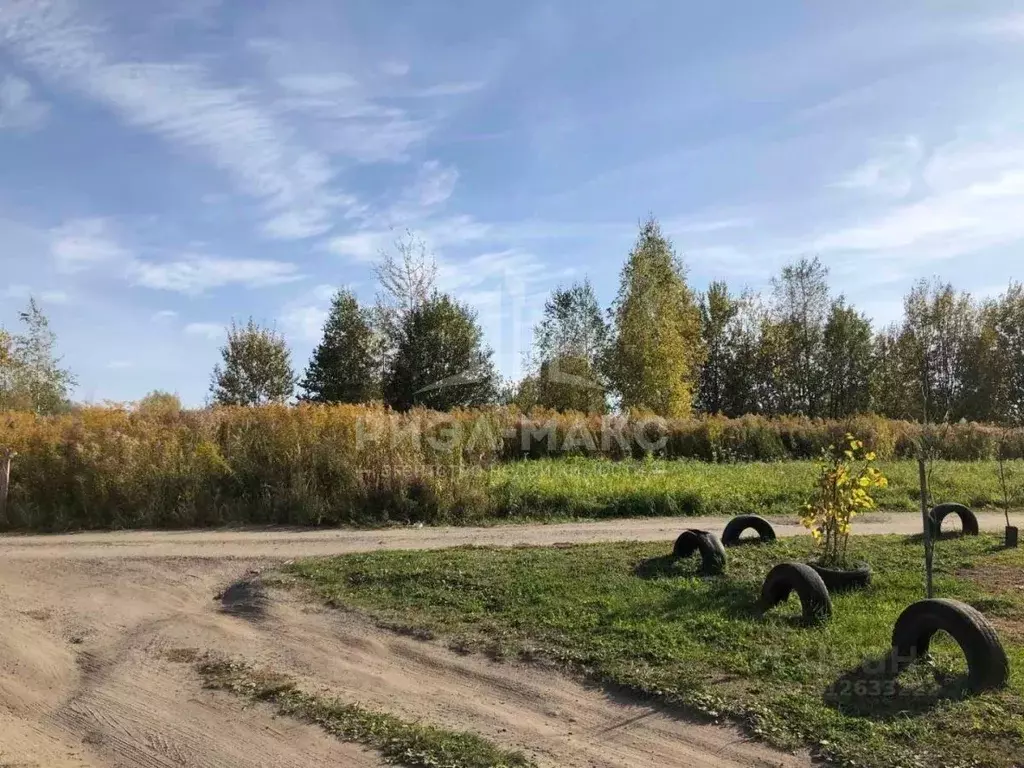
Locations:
(24, 293)
(972, 198)
(19, 109)
(197, 274)
(348, 116)
(433, 186)
(304, 317)
(211, 331)
(304, 322)
(164, 314)
(318, 84)
(296, 225)
(395, 68)
(449, 89)
(360, 246)
(891, 174)
(227, 126)
(325, 292)
(82, 244)
(366, 245)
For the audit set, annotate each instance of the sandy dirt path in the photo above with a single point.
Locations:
(284, 544)
(87, 622)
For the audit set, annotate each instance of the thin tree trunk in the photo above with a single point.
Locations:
(1002, 482)
(928, 548)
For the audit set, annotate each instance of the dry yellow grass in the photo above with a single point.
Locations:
(116, 467)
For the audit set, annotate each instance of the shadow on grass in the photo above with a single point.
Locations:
(873, 690)
(725, 597)
(721, 595)
(950, 535)
(665, 567)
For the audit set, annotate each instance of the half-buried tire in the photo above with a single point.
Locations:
(987, 665)
(786, 578)
(735, 528)
(842, 579)
(968, 520)
(712, 553)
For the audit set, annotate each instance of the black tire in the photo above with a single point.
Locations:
(735, 528)
(843, 580)
(712, 553)
(968, 520)
(987, 665)
(784, 578)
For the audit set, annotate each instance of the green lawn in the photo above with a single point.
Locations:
(628, 616)
(582, 488)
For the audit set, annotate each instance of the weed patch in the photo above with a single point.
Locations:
(399, 742)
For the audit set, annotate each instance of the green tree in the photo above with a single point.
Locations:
(523, 394)
(997, 366)
(440, 361)
(31, 376)
(159, 403)
(747, 386)
(655, 357)
(938, 339)
(344, 367)
(256, 367)
(847, 361)
(893, 386)
(800, 309)
(570, 383)
(569, 344)
(718, 313)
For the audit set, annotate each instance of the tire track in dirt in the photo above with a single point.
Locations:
(93, 684)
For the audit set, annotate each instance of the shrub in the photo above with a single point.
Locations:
(845, 476)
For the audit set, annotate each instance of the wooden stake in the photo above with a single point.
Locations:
(926, 520)
(6, 455)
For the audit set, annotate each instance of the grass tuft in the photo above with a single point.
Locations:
(399, 742)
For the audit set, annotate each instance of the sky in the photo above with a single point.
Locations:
(171, 165)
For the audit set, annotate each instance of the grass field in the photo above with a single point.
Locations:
(631, 618)
(568, 488)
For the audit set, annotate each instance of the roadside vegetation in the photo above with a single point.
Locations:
(399, 742)
(159, 466)
(630, 617)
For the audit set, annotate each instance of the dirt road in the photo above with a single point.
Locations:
(284, 544)
(88, 621)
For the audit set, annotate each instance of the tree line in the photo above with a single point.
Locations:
(660, 347)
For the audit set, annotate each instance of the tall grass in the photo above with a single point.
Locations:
(365, 465)
(591, 488)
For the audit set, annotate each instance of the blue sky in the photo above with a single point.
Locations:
(168, 165)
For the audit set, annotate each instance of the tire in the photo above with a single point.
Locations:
(968, 519)
(712, 553)
(784, 578)
(987, 665)
(735, 528)
(843, 580)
